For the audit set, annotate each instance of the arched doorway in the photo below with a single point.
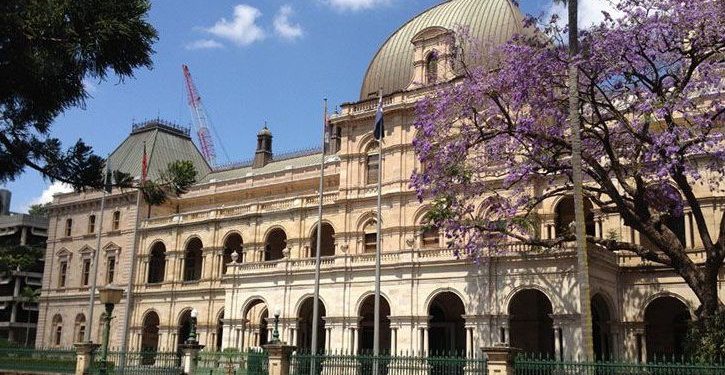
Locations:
(601, 328)
(220, 330)
(304, 334)
(232, 243)
(327, 244)
(446, 328)
(255, 327)
(184, 328)
(275, 244)
(193, 259)
(367, 325)
(666, 320)
(150, 338)
(530, 324)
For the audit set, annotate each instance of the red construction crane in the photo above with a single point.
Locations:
(201, 120)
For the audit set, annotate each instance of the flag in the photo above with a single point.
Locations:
(144, 165)
(379, 131)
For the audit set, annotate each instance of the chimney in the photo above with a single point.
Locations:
(263, 155)
(5, 202)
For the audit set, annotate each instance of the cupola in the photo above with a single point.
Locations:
(263, 155)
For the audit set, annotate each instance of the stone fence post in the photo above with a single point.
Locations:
(191, 357)
(279, 357)
(500, 359)
(85, 353)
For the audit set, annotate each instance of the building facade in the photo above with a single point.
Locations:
(177, 257)
(18, 315)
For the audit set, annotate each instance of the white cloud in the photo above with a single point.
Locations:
(47, 194)
(242, 29)
(204, 44)
(355, 5)
(282, 25)
(590, 12)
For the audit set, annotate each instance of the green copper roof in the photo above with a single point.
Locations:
(165, 143)
(488, 21)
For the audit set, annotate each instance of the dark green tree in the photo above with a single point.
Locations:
(40, 209)
(47, 49)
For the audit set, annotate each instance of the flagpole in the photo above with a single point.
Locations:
(316, 302)
(378, 250)
(92, 296)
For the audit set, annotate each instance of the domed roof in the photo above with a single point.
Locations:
(264, 132)
(489, 21)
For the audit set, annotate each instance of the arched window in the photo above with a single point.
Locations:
(275, 244)
(370, 232)
(193, 260)
(372, 165)
(116, 224)
(431, 68)
(92, 224)
(68, 227)
(565, 216)
(80, 328)
(429, 235)
(157, 263)
(57, 330)
(233, 243)
(327, 244)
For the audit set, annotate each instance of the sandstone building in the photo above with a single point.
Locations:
(179, 256)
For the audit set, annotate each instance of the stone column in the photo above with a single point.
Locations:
(85, 353)
(353, 336)
(279, 358)
(568, 335)
(500, 359)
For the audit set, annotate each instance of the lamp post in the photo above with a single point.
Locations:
(192, 332)
(275, 333)
(233, 313)
(109, 296)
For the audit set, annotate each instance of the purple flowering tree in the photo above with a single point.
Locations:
(495, 145)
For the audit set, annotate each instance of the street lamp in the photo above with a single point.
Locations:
(192, 332)
(275, 333)
(109, 296)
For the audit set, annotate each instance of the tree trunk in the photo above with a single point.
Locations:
(577, 180)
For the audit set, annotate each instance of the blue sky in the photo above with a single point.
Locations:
(253, 61)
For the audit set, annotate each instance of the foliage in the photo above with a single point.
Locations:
(496, 145)
(40, 209)
(47, 49)
(175, 181)
(706, 339)
(18, 257)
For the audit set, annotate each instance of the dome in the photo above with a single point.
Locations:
(264, 132)
(490, 21)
